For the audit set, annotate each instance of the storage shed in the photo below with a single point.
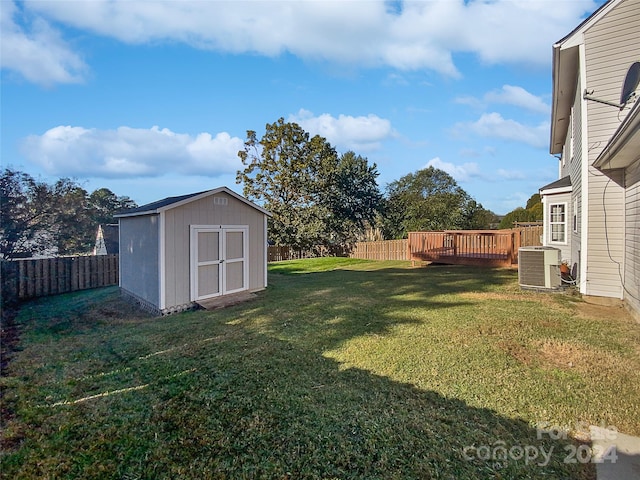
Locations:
(182, 250)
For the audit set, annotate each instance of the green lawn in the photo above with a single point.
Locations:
(340, 369)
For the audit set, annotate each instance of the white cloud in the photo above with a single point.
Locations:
(493, 125)
(461, 173)
(39, 55)
(510, 174)
(508, 95)
(126, 151)
(470, 101)
(518, 96)
(363, 133)
(417, 36)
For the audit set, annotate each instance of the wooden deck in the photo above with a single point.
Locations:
(491, 248)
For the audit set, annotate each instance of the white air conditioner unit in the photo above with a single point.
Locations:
(539, 267)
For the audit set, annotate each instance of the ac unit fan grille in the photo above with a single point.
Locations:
(531, 268)
(539, 267)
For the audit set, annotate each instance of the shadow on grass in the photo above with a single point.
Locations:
(252, 406)
(325, 309)
(274, 411)
(247, 393)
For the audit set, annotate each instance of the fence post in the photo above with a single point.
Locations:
(455, 244)
(411, 245)
(512, 245)
(21, 274)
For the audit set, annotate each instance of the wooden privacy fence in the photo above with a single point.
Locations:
(29, 278)
(475, 247)
(277, 253)
(530, 235)
(381, 250)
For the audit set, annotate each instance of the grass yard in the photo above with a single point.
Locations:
(340, 369)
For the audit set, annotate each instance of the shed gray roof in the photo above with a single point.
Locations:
(563, 182)
(173, 202)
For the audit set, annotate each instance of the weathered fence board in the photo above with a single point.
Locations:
(29, 278)
(489, 246)
(381, 250)
(277, 253)
(530, 235)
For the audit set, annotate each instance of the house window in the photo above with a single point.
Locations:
(558, 222)
(574, 214)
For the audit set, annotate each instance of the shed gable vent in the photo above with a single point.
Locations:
(220, 200)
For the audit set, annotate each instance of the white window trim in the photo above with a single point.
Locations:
(551, 223)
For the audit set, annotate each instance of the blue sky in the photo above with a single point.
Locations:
(153, 99)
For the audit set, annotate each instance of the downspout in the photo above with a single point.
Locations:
(584, 175)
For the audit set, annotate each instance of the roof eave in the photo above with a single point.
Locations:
(565, 73)
(556, 191)
(566, 67)
(193, 199)
(136, 214)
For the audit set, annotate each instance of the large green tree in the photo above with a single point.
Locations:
(103, 204)
(316, 196)
(27, 214)
(430, 199)
(531, 213)
(59, 218)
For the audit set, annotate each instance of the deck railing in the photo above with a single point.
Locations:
(496, 248)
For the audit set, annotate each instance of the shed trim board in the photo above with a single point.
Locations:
(162, 284)
(266, 249)
(220, 261)
(119, 255)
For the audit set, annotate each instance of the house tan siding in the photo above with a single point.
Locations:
(610, 48)
(606, 234)
(204, 212)
(632, 243)
(139, 272)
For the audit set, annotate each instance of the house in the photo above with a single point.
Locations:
(107, 240)
(592, 213)
(181, 250)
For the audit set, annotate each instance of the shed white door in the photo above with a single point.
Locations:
(219, 263)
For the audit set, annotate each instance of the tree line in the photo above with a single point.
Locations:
(317, 196)
(59, 218)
